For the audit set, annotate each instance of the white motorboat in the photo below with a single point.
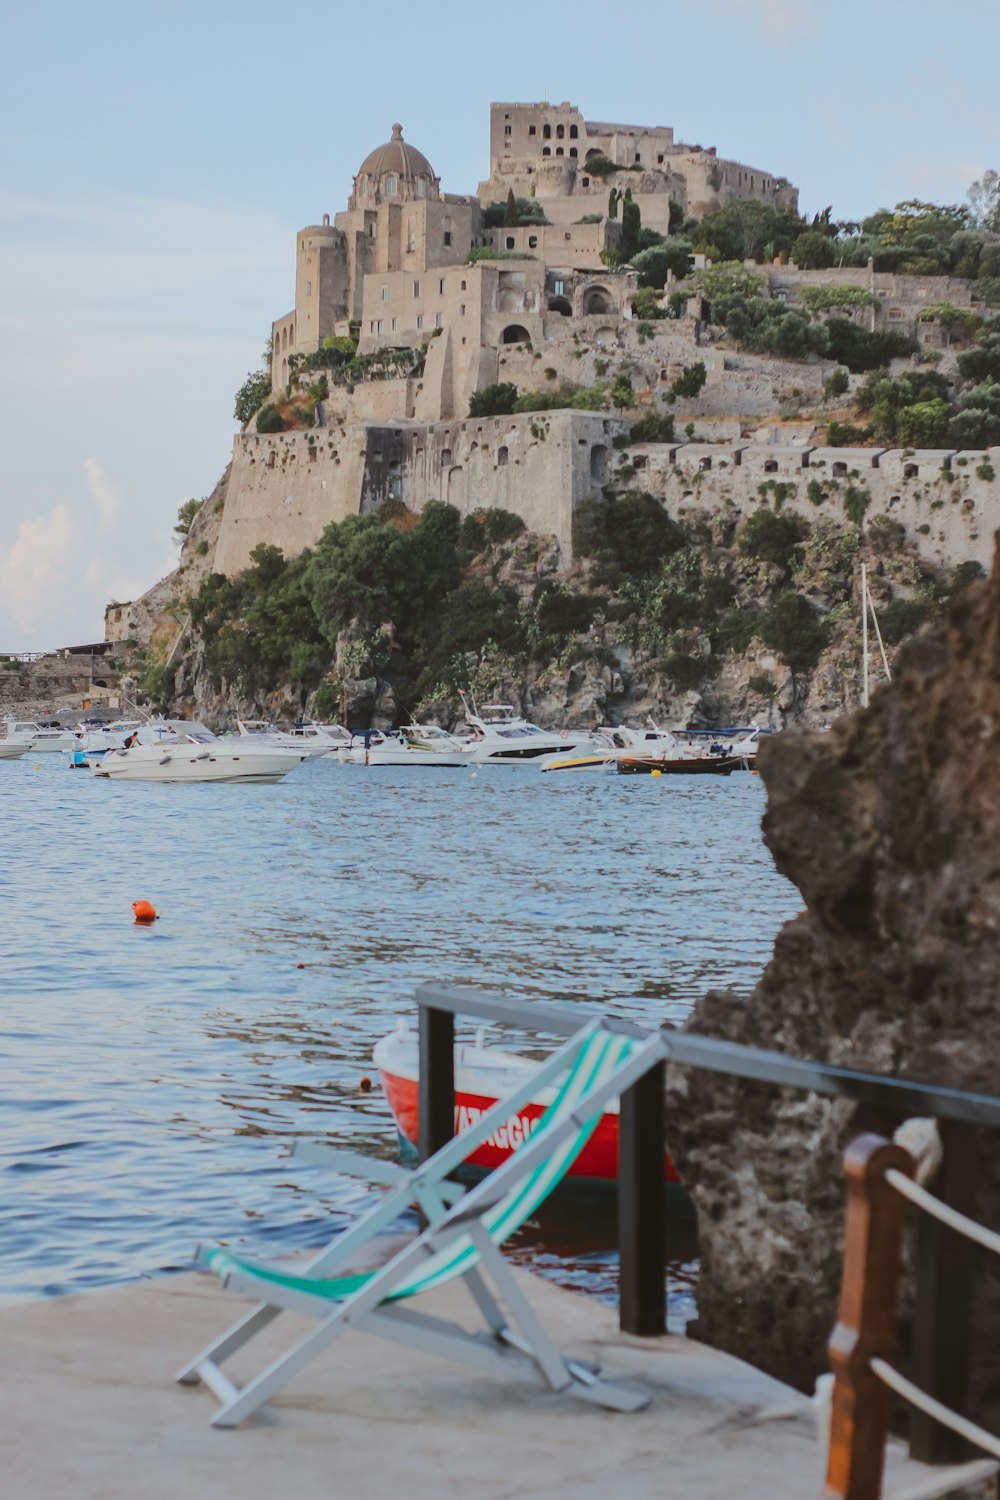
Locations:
(43, 736)
(502, 738)
(413, 745)
(184, 750)
(309, 739)
(92, 742)
(10, 750)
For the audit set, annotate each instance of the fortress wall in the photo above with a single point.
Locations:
(286, 487)
(371, 401)
(946, 509)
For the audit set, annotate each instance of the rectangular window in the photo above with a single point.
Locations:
(438, 320)
(416, 289)
(506, 130)
(371, 326)
(660, 158)
(379, 327)
(420, 320)
(558, 288)
(531, 130)
(447, 236)
(309, 288)
(440, 288)
(385, 294)
(392, 326)
(461, 311)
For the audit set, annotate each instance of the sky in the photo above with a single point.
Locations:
(157, 159)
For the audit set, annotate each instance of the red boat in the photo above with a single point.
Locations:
(482, 1076)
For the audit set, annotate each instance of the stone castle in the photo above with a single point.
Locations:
(548, 306)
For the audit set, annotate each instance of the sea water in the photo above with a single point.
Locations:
(153, 1078)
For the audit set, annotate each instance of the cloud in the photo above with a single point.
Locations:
(38, 567)
(107, 500)
(779, 18)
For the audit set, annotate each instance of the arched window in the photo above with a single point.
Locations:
(391, 185)
(547, 132)
(560, 151)
(573, 132)
(560, 131)
(421, 187)
(501, 458)
(839, 469)
(509, 242)
(771, 467)
(704, 464)
(546, 150)
(598, 463)
(515, 334)
(597, 300)
(445, 457)
(532, 241)
(572, 150)
(561, 305)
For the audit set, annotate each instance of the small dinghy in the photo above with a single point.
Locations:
(482, 1076)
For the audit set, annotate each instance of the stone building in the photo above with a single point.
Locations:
(391, 267)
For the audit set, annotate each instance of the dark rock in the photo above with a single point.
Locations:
(889, 825)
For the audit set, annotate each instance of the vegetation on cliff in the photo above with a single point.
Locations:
(401, 611)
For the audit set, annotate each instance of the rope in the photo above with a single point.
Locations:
(916, 1397)
(949, 1216)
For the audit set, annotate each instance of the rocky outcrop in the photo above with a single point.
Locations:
(889, 825)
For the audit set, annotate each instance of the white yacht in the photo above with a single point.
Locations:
(92, 742)
(412, 745)
(502, 738)
(184, 750)
(44, 736)
(10, 749)
(308, 739)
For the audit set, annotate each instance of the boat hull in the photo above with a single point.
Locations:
(166, 767)
(723, 765)
(598, 1161)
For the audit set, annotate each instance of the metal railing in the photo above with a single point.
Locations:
(942, 1314)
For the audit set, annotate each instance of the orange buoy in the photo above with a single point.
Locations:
(145, 911)
(365, 1085)
(300, 966)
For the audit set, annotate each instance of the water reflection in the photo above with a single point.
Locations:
(150, 1078)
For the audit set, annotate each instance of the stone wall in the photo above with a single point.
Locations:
(948, 509)
(287, 487)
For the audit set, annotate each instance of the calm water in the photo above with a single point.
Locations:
(150, 1078)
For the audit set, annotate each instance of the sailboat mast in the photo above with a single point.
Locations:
(864, 636)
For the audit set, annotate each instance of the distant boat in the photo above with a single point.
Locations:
(502, 738)
(46, 736)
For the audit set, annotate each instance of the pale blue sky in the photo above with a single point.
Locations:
(156, 160)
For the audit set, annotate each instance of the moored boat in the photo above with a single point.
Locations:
(482, 1076)
(184, 750)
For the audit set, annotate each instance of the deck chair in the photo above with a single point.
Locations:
(461, 1241)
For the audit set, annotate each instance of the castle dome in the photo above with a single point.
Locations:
(395, 170)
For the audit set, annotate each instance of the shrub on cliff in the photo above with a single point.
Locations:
(484, 529)
(925, 424)
(771, 538)
(494, 400)
(558, 614)
(860, 350)
(631, 530)
(270, 420)
(251, 395)
(791, 628)
(654, 263)
(656, 428)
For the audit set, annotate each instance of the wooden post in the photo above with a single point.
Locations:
(436, 1088)
(866, 1325)
(942, 1317)
(642, 1217)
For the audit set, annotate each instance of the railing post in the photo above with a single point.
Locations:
(436, 1089)
(642, 1217)
(866, 1325)
(942, 1316)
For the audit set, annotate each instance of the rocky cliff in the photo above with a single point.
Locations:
(889, 825)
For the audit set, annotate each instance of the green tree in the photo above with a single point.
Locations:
(510, 208)
(925, 424)
(982, 361)
(746, 228)
(691, 381)
(767, 537)
(270, 420)
(631, 226)
(251, 395)
(613, 198)
(622, 394)
(813, 251)
(493, 400)
(185, 515)
(654, 263)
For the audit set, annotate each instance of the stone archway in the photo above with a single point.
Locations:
(597, 300)
(514, 333)
(562, 306)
